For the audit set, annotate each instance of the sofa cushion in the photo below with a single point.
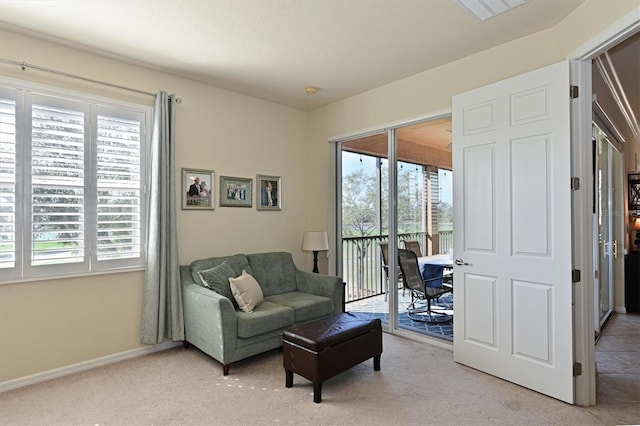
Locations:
(266, 317)
(246, 291)
(238, 262)
(275, 272)
(306, 306)
(217, 279)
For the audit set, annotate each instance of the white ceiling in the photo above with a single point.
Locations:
(273, 49)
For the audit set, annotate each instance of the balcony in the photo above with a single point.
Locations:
(366, 281)
(422, 201)
(362, 268)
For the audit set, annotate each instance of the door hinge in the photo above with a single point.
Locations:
(575, 276)
(573, 92)
(575, 183)
(577, 369)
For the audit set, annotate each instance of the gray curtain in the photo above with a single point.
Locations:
(162, 300)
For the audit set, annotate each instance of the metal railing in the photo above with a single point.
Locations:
(362, 268)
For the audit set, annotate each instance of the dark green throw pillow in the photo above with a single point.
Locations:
(217, 279)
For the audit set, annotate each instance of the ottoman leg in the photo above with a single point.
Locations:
(376, 363)
(288, 378)
(317, 392)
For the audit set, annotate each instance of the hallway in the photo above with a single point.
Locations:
(618, 371)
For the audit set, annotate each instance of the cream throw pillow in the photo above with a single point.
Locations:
(246, 291)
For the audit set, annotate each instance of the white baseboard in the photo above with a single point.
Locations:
(83, 366)
(620, 310)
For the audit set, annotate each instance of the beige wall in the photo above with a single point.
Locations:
(54, 323)
(50, 324)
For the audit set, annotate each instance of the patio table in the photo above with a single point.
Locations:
(427, 264)
(437, 259)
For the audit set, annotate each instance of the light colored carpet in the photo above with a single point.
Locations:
(418, 384)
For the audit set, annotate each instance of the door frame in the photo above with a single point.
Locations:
(582, 227)
(336, 219)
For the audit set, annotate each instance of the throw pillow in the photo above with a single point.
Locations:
(217, 279)
(246, 291)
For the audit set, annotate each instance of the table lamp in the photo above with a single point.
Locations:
(315, 241)
(636, 227)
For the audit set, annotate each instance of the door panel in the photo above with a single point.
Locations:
(481, 327)
(513, 290)
(479, 200)
(530, 198)
(532, 339)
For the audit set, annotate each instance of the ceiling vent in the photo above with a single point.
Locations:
(485, 9)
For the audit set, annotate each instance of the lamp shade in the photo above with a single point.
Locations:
(315, 241)
(636, 224)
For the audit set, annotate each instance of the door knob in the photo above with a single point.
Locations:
(461, 262)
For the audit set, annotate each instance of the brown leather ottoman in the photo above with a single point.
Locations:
(321, 349)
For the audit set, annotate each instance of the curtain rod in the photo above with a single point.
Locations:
(25, 65)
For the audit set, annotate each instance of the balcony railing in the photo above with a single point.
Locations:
(362, 269)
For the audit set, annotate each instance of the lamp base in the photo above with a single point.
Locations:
(315, 261)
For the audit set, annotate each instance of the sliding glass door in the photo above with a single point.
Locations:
(364, 225)
(607, 244)
(394, 192)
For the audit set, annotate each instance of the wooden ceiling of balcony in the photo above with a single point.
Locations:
(427, 143)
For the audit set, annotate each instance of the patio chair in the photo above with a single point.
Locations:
(423, 288)
(384, 252)
(414, 246)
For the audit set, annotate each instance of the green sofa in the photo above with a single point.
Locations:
(292, 297)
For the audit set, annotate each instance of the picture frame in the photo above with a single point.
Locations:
(268, 192)
(634, 191)
(196, 193)
(236, 192)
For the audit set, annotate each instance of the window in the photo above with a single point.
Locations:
(71, 183)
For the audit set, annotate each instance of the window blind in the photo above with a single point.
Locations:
(119, 188)
(57, 185)
(72, 183)
(7, 183)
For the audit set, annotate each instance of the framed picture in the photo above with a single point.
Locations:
(634, 191)
(236, 192)
(269, 193)
(197, 189)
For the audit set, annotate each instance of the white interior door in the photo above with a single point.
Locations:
(512, 221)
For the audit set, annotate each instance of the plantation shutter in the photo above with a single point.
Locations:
(72, 183)
(7, 183)
(119, 185)
(57, 184)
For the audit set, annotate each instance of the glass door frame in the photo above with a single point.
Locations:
(604, 224)
(392, 156)
(603, 127)
(391, 326)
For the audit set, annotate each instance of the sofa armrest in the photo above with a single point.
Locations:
(322, 285)
(210, 320)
